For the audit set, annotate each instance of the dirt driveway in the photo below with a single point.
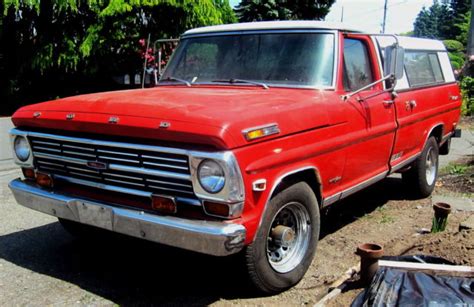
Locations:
(41, 264)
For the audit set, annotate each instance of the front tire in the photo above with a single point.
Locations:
(286, 241)
(420, 179)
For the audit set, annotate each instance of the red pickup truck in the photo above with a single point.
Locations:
(251, 131)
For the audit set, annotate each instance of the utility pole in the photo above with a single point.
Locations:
(342, 14)
(384, 16)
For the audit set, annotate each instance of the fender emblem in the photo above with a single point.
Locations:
(165, 125)
(96, 165)
(36, 114)
(70, 116)
(114, 120)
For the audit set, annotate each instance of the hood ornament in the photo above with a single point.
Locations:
(114, 120)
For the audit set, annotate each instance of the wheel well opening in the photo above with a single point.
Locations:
(309, 176)
(437, 132)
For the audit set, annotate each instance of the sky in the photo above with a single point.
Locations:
(367, 15)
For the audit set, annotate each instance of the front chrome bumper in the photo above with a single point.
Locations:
(213, 238)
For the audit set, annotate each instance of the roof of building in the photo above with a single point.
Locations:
(274, 25)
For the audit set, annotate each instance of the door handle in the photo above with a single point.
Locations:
(388, 102)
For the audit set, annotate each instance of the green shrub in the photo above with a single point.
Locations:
(457, 59)
(467, 91)
(453, 46)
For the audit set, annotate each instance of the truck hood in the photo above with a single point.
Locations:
(212, 116)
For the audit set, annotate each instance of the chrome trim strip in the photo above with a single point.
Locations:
(76, 147)
(184, 168)
(118, 153)
(118, 159)
(146, 171)
(104, 186)
(60, 158)
(45, 143)
(404, 163)
(208, 237)
(78, 153)
(356, 188)
(164, 159)
(45, 148)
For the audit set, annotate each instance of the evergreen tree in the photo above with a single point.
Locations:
(56, 48)
(435, 22)
(264, 10)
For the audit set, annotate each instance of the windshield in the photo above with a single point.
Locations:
(272, 58)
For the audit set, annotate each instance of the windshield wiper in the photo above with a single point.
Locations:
(178, 80)
(243, 81)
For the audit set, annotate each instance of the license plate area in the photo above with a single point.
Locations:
(95, 215)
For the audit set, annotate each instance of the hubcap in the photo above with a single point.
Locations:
(430, 166)
(288, 238)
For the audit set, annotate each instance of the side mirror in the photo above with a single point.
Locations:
(393, 65)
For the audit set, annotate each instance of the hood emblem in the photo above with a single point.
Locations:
(113, 120)
(165, 125)
(36, 114)
(70, 116)
(97, 165)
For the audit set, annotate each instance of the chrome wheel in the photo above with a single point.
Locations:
(288, 238)
(430, 166)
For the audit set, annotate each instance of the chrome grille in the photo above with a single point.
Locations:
(135, 169)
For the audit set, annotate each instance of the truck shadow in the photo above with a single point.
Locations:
(131, 271)
(359, 204)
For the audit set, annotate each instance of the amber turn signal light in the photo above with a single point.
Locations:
(164, 204)
(44, 180)
(217, 209)
(29, 173)
(260, 132)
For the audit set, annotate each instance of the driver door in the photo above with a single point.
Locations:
(371, 124)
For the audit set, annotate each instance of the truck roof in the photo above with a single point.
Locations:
(274, 25)
(410, 43)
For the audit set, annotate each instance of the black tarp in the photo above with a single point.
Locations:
(398, 287)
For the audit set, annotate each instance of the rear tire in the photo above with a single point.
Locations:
(286, 240)
(420, 179)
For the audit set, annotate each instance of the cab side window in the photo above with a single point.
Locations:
(357, 68)
(423, 68)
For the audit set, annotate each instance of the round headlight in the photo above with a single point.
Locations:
(211, 176)
(22, 148)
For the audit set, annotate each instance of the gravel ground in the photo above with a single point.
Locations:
(40, 264)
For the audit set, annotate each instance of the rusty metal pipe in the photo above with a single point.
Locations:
(369, 253)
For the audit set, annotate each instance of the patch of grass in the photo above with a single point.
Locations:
(454, 168)
(386, 219)
(457, 169)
